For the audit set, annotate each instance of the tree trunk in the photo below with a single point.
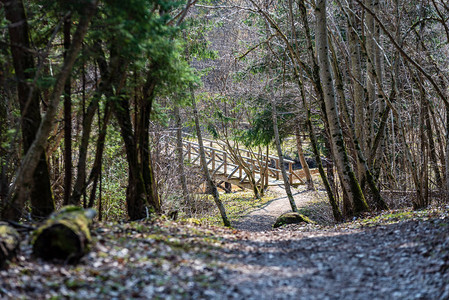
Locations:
(96, 168)
(209, 180)
(313, 141)
(143, 139)
(79, 186)
(367, 174)
(31, 160)
(65, 236)
(281, 156)
(302, 159)
(180, 156)
(136, 194)
(39, 179)
(341, 157)
(358, 97)
(370, 69)
(67, 121)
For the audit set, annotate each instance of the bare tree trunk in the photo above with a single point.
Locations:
(180, 156)
(281, 156)
(144, 142)
(30, 162)
(209, 180)
(96, 168)
(136, 194)
(313, 141)
(447, 153)
(39, 179)
(359, 101)
(67, 121)
(370, 69)
(341, 157)
(367, 174)
(79, 186)
(302, 159)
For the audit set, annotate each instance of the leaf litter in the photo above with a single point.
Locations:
(389, 256)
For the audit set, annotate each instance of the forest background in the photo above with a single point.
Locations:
(92, 91)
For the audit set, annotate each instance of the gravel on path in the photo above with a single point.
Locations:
(263, 218)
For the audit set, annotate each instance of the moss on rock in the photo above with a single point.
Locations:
(291, 218)
(9, 242)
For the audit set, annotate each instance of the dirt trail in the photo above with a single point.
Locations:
(408, 260)
(263, 218)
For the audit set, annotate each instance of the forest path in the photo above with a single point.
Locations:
(263, 218)
(407, 260)
(160, 259)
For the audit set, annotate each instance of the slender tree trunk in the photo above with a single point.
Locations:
(358, 97)
(281, 156)
(302, 159)
(180, 156)
(343, 165)
(67, 121)
(209, 180)
(144, 142)
(31, 160)
(313, 141)
(370, 69)
(447, 153)
(367, 174)
(96, 168)
(136, 194)
(39, 179)
(79, 186)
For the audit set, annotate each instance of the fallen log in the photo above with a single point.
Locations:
(9, 243)
(65, 235)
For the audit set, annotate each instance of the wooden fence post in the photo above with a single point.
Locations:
(225, 163)
(290, 170)
(277, 168)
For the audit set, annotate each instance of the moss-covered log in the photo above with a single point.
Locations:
(65, 235)
(9, 243)
(291, 218)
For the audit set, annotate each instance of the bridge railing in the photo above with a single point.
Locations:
(219, 161)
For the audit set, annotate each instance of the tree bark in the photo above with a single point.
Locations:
(31, 160)
(38, 179)
(67, 121)
(209, 180)
(302, 159)
(180, 156)
(367, 174)
(96, 168)
(341, 157)
(358, 96)
(281, 156)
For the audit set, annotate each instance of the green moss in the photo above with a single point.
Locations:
(291, 218)
(64, 234)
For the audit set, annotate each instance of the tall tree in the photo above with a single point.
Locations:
(349, 180)
(28, 95)
(24, 178)
(67, 119)
(277, 141)
(209, 181)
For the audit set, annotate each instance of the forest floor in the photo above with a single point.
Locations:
(307, 201)
(399, 254)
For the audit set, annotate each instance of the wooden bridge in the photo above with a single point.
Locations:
(225, 169)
